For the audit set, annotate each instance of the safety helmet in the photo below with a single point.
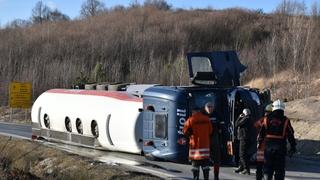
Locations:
(246, 112)
(209, 104)
(278, 105)
(268, 108)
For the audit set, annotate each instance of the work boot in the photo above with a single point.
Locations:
(245, 171)
(216, 176)
(239, 169)
(196, 175)
(206, 174)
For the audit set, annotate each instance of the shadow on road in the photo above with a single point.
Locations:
(299, 164)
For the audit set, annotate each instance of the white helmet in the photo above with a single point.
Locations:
(278, 105)
(268, 108)
(246, 112)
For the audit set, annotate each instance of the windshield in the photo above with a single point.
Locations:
(201, 64)
(199, 99)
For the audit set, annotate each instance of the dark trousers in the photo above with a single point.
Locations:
(215, 149)
(215, 153)
(196, 168)
(243, 148)
(275, 163)
(259, 170)
(236, 152)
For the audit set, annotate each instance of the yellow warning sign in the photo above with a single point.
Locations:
(20, 95)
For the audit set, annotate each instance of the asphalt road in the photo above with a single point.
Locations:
(297, 168)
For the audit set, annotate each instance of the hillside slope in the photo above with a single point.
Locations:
(148, 45)
(305, 119)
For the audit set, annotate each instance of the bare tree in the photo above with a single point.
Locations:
(92, 8)
(134, 4)
(40, 13)
(291, 7)
(56, 15)
(19, 23)
(160, 4)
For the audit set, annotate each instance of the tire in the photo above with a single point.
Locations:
(67, 123)
(90, 86)
(94, 128)
(79, 126)
(46, 121)
(102, 87)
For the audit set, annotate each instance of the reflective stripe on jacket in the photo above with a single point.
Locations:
(260, 152)
(276, 129)
(198, 128)
(199, 153)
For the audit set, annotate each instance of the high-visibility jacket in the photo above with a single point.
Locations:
(260, 151)
(276, 128)
(198, 128)
(277, 131)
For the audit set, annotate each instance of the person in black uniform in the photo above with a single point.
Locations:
(275, 132)
(260, 151)
(215, 142)
(243, 126)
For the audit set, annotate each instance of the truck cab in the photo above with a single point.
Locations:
(215, 77)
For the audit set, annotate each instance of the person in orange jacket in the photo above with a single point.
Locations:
(198, 128)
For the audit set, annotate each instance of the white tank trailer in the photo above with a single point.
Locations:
(101, 119)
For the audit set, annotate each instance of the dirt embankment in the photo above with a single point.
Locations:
(305, 118)
(304, 113)
(21, 159)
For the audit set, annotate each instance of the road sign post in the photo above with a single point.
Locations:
(20, 95)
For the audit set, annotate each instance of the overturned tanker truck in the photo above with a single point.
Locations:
(148, 119)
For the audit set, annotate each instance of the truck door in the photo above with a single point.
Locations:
(222, 68)
(231, 101)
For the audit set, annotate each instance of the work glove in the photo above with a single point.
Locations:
(292, 151)
(258, 145)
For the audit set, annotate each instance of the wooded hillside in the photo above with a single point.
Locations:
(146, 44)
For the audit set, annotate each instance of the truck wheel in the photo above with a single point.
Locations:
(94, 129)
(67, 123)
(46, 121)
(79, 126)
(90, 86)
(102, 87)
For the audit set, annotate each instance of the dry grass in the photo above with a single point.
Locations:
(15, 115)
(287, 85)
(147, 45)
(32, 160)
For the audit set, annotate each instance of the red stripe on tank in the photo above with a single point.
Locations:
(120, 95)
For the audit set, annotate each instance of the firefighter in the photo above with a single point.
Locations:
(243, 126)
(260, 150)
(198, 128)
(215, 149)
(274, 133)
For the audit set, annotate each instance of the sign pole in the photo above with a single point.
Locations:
(11, 115)
(25, 114)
